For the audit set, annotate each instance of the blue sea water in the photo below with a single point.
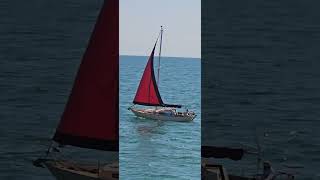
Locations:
(160, 150)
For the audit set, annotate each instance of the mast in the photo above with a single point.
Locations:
(158, 78)
(148, 93)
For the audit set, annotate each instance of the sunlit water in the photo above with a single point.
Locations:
(160, 150)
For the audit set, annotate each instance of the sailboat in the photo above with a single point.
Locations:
(214, 171)
(91, 116)
(148, 95)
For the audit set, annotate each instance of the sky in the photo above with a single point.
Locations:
(140, 22)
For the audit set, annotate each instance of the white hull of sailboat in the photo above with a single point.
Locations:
(153, 114)
(62, 170)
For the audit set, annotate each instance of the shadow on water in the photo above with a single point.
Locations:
(149, 127)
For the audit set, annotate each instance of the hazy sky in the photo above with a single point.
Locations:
(140, 22)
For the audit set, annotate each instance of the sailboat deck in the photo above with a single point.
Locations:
(166, 114)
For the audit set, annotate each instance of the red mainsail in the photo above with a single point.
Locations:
(91, 116)
(148, 93)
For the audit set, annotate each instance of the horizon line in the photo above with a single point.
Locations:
(162, 56)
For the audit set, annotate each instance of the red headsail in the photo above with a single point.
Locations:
(148, 93)
(91, 116)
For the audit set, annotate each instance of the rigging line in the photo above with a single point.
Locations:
(158, 79)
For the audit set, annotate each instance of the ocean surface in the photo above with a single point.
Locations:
(260, 70)
(160, 150)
